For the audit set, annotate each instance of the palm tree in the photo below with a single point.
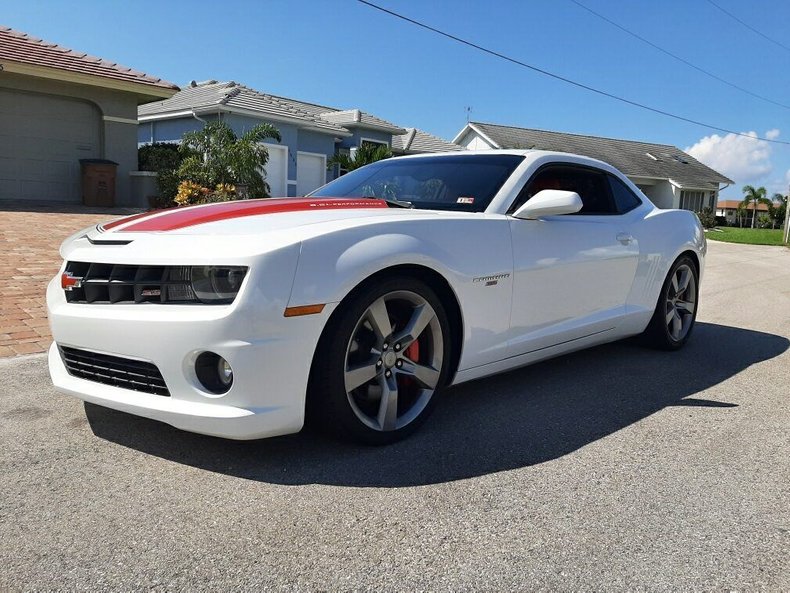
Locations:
(367, 153)
(755, 196)
(216, 155)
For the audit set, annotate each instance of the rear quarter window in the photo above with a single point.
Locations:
(625, 199)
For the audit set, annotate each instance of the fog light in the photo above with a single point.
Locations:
(214, 372)
(225, 372)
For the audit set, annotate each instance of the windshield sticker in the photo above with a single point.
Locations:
(465, 200)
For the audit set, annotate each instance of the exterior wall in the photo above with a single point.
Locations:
(662, 194)
(117, 139)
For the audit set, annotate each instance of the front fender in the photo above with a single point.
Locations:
(463, 252)
(329, 270)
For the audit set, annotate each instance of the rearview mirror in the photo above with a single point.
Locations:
(549, 202)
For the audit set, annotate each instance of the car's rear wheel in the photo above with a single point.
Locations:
(676, 311)
(381, 362)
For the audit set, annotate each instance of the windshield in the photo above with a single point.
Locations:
(465, 183)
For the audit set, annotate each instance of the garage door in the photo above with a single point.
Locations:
(42, 139)
(277, 170)
(310, 172)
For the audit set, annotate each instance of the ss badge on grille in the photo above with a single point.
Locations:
(70, 282)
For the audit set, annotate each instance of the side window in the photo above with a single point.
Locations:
(624, 198)
(590, 184)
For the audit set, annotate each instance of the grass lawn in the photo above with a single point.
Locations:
(751, 236)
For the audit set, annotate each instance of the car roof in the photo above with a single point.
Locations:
(533, 155)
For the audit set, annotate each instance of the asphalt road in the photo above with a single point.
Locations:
(618, 468)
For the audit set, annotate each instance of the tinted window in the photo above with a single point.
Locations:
(624, 198)
(462, 182)
(590, 184)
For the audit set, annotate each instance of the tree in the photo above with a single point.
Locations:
(366, 153)
(754, 196)
(778, 210)
(215, 156)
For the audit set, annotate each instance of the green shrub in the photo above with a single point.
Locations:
(164, 159)
(158, 156)
(707, 218)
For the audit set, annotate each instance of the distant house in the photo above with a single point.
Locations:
(729, 210)
(311, 133)
(667, 175)
(416, 141)
(58, 106)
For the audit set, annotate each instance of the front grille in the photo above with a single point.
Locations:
(114, 370)
(115, 283)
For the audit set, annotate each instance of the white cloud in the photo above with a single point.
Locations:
(745, 159)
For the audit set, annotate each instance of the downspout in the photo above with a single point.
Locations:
(716, 205)
(718, 193)
(205, 155)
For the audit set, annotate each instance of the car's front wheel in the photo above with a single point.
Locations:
(381, 362)
(676, 310)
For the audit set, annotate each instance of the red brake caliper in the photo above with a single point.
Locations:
(413, 351)
(413, 354)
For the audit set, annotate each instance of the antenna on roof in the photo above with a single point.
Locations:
(468, 113)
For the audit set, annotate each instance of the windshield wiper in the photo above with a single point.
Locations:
(390, 203)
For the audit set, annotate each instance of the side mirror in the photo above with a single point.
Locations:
(549, 202)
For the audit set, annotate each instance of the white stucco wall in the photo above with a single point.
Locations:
(662, 194)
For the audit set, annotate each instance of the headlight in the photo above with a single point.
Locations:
(217, 284)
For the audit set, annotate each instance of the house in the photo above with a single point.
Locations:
(728, 209)
(416, 141)
(667, 175)
(58, 106)
(311, 133)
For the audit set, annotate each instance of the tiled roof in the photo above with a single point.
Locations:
(632, 158)
(16, 46)
(355, 117)
(414, 141)
(734, 204)
(232, 94)
(201, 95)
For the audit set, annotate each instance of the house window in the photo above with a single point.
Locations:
(692, 200)
(372, 142)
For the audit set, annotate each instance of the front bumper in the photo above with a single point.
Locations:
(270, 356)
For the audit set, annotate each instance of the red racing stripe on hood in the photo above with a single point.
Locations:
(106, 226)
(179, 218)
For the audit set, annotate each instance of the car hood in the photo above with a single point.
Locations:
(232, 228)
(246, 217)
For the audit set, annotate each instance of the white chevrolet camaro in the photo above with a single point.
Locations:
(356, 305)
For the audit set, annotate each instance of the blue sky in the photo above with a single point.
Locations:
(344, 54)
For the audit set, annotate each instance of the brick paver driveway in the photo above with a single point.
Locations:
(29, 242)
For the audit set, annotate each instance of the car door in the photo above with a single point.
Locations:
(572, 273)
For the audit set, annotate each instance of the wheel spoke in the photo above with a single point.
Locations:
(677, 325)
(388, 407)
(683, 281)
(686, 306)
(379, 319)
(670, 314)
(675, 284)
(420, 318)
(425, 375)
(359, 375)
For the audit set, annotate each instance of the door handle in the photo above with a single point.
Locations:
(625, 238)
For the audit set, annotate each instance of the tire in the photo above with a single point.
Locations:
(373, 380)
(676, 310)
